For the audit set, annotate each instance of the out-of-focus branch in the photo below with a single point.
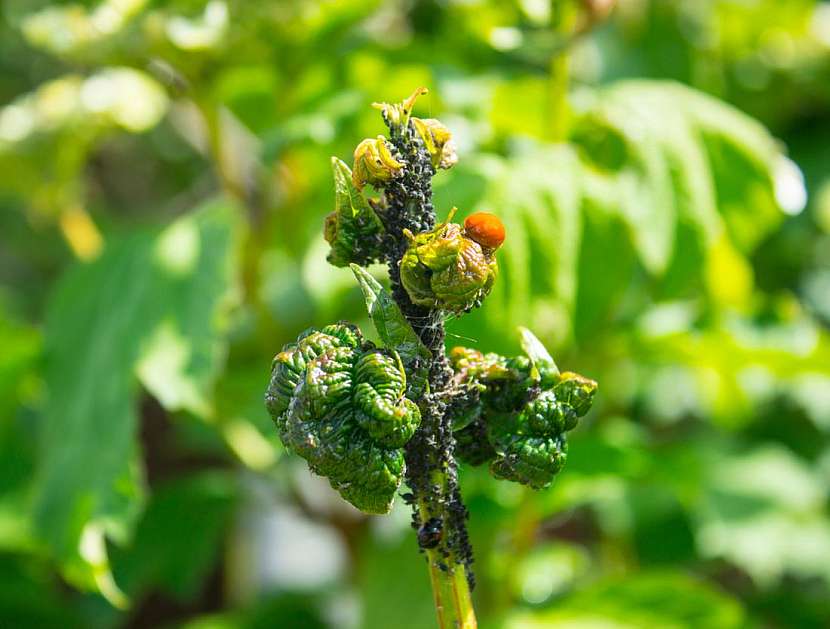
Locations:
(570, 22)
(593, 14)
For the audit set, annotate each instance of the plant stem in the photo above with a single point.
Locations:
(564, 16)
(450, 588)
(451, 595)
(463, 600)
(437, 590)
(431, 468)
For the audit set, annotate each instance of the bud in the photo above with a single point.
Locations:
(438, 142)
(374, 163)
(445, 269)
(397, 115)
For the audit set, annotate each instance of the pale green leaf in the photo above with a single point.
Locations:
(393, 328)
(669, 600)
(673, 154)
(534, 348)
(656, 175)
(537, 197)
(641, 179)
(764, 511)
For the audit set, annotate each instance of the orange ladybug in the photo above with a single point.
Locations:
(485, 228)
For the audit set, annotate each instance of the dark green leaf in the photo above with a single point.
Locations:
(353, 229)
(178, 538)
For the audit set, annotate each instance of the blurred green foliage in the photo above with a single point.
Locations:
(164, 177)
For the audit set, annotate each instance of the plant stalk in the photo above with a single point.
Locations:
(439, 515)
(450, 590)
(564, 17)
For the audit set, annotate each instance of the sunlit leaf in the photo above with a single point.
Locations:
(668, 600)
(764, 511)
(675, 154)
(533, 348)
(103, 325)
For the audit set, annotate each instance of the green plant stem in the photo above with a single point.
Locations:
(564, 16)
(463, 600)
(559, 109)
(450, 590)
(431, 466)
(438, 589)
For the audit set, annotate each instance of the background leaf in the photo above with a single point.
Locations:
(664, 600)
(104, 324)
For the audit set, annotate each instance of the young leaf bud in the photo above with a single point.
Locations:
(438, 141)
(374, 163)
(397, 115)
(445, 269)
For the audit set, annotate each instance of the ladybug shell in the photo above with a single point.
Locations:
(485, 228)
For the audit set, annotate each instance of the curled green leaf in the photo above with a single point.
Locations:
(536, 351)
(374, 163)
(340, 403)
(383, 411)
(533, 461)
(437, 140)
(396, 115)
(445, 269)
(521, 410)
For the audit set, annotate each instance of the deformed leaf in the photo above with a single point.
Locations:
(447, 268)
(338, 402)
(393, 328)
